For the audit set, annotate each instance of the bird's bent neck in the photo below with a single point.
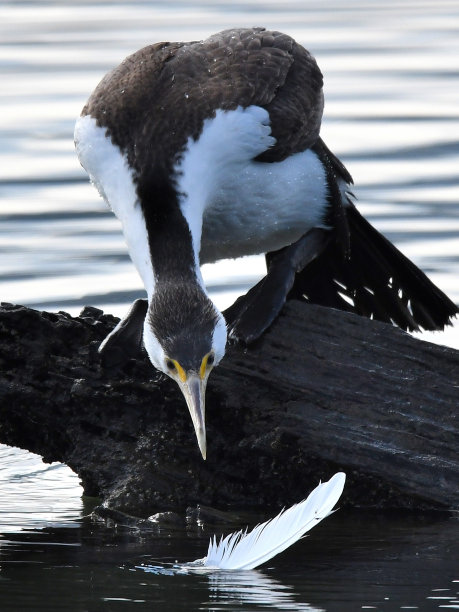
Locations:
(173, 245)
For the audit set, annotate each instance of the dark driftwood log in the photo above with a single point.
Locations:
(323, 390)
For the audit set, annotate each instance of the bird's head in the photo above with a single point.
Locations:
(185, 337)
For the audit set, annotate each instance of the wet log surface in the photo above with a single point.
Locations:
(322, 391)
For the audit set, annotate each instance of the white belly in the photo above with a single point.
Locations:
(263, 207)
(247, 207)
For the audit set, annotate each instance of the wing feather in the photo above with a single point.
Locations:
(163, 93)
(242, 550)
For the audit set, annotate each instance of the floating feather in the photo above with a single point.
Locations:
(242, 550)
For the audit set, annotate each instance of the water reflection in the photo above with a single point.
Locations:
(238, 587)
(34, 494)
(391, 114)
(254, 587)
(357, 560)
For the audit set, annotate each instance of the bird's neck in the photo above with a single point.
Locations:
(173, 241)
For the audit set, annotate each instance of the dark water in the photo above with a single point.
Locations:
(392, 114)
(349, 562)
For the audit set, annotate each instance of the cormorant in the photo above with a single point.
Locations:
(211, 149)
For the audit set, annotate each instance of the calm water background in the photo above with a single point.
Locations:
(392, 114)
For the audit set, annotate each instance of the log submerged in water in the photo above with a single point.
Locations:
(322, 391)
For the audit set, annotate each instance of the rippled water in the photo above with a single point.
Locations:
(52, 558)
(392, 114)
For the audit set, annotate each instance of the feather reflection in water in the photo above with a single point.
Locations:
(253, 587)
(246, 587)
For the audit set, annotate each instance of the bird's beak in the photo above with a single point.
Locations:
(194, 388)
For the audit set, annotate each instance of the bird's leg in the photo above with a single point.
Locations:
(125, 340)
(252, 313)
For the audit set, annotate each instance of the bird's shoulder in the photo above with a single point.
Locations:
(267, 68)
(163, 93)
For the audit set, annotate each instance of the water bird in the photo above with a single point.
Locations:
(211, 149)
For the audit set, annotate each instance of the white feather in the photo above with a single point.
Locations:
(242, 550)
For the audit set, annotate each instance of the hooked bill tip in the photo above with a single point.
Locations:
(201, 435)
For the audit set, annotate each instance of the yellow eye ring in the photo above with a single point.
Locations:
(207, 361)
(174, 366)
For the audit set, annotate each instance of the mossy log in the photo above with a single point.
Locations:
(322, 391)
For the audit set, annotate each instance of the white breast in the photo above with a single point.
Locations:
(243, 207)
(234, 205)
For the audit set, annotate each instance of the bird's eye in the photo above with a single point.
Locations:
(170, 364)
(175, 369)
(210, 359)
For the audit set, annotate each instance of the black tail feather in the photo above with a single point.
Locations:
(375, 281)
